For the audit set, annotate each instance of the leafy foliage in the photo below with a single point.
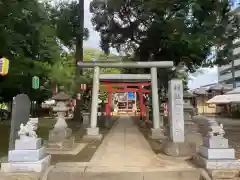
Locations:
(28, 40)
(65, 17)
(32, 35)
(62, 72)
(176, 30)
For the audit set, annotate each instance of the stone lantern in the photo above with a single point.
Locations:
(60, 137)
(188, 109)
(191, 129)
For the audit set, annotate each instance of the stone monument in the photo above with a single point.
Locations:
(60, 138)
(216, 156)
(20, 114)
(28, 155)
(176, 145)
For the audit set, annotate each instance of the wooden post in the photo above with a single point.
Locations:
(141, 101)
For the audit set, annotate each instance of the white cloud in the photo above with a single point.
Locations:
(208, 76)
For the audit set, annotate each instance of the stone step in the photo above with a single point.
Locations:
(103, 173)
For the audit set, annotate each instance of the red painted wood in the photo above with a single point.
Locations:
(140, 101)
(127, 83)
(129, 90)
(108, 105)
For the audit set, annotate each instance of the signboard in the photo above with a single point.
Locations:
(131, 95)
(35, 82)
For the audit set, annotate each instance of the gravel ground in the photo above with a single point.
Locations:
(47, 124)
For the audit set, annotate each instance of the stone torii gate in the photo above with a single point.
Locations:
(93, 130)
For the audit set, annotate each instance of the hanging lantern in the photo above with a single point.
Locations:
(4, 66)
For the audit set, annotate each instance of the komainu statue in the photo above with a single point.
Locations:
(29, 130)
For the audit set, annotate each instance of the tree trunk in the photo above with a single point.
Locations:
(79, 55)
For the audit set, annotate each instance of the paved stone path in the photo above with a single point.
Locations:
(125, 154)
(125, 146)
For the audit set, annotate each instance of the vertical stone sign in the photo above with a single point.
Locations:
(176, 116)
(20, 114)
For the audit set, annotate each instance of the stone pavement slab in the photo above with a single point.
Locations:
(19, 176)
(126, 154)
(125, 146)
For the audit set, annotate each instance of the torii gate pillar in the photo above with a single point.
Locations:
(157, 130)
(93, 130)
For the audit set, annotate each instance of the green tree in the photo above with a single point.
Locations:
(28, 40)
(64, 16)
(180, 31)
(62, 71)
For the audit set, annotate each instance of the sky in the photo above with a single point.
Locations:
(93, 40)
(208, 76)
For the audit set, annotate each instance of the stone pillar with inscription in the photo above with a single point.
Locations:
(175, 145)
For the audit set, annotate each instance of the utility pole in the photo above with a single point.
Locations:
(79, 55)
(80, 34)
(233, 73)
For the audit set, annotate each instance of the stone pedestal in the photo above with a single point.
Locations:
(191, 128)
(224, 174)
(216, 154)
(92, 134)
(60, 140)
(86, 119)
(189, 125)
(157, 134)
(178, 149)
(27, 158)
(195, 139)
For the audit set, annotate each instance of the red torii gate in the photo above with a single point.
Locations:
(140, 92)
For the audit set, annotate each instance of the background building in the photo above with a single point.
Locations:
(230, 72)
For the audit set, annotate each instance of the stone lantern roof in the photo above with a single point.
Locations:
(188, 95)
(61, 97)
(200, 91)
